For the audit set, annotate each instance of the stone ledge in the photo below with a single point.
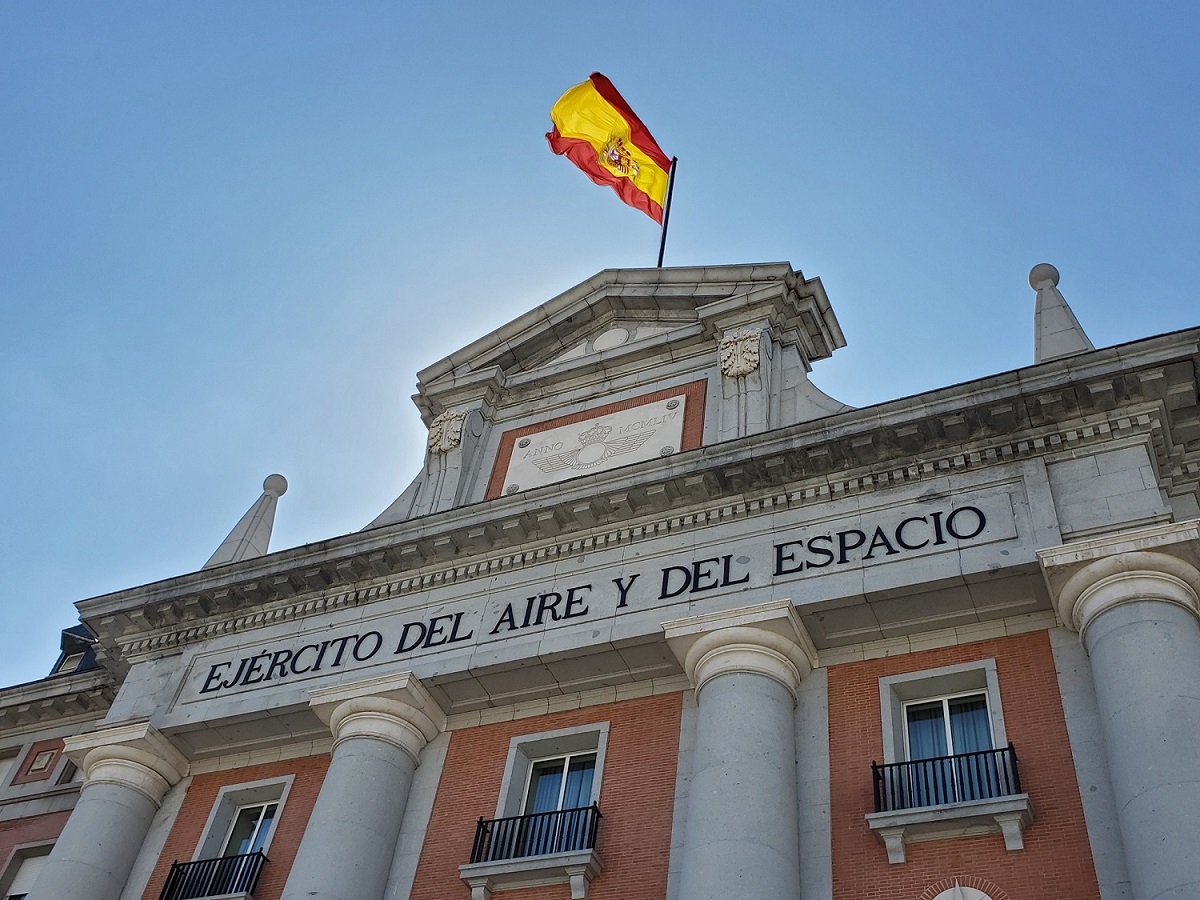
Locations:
(576, 868)
(1003, 815)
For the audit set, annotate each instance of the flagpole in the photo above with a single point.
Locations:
(662, 246)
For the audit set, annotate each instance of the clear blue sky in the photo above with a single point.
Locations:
(231, 233)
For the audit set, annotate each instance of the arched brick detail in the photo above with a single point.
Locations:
(990, 888)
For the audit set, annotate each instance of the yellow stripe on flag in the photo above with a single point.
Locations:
(582, 114)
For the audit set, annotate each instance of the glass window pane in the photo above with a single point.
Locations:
(245, 827)
(970, 729)
(926, 731)
(264, 828)
(544, 785)
(579, 782)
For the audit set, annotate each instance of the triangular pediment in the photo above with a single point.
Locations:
(623, 311)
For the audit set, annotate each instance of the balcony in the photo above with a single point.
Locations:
(538, 849)
(949, 796)
(227, 877)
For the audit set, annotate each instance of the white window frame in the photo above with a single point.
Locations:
(945, 699)
(231, 799)
(899, 691)
(69, 663)
(562, 788)
(261, 806)
(525, 750)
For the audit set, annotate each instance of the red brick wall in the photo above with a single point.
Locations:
(32, 830)
(187, 832)
(1056, 863)
(637, 795)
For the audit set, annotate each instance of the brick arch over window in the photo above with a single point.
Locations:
(944, 889)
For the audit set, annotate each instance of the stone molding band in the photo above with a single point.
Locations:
(1127, 578)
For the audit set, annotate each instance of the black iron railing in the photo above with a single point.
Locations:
(213, 877)
(984, 775)
(536, 834)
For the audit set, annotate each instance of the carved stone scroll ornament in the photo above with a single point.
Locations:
(740, 351)
(445, 432)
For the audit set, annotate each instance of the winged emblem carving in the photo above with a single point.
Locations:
(595, 448)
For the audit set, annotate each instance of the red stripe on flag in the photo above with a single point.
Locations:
(583, 155)
(639, 133)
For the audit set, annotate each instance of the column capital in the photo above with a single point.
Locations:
(768, 639)
(1158, 563)
(396, 709)
(136, 755)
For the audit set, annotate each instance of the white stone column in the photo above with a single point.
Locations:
(1135, 601)
(380, 727)
(742, 835)
(126, 772)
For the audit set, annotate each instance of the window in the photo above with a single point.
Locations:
(948, 769)
(238, 834)
(69, 664)
(557, 804)
(547, 815)
(534, 779)
(251, 825)
(27, 871)
(950, 738)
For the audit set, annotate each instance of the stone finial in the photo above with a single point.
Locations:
(1056, 331)
(252, 534)
(740, 351)
(445, 432)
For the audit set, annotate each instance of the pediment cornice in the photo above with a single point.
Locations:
(694, 303)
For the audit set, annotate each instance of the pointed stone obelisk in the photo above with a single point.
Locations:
(252, 534)
(1056, 331)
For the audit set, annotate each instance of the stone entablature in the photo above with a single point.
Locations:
(862, 451)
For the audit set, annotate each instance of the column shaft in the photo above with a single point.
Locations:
(96, 850)
(127, 771)
(742, 834)
(1146, 667)
(347, 849)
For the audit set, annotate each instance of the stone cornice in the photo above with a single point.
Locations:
(1144, 390)
(85, 694)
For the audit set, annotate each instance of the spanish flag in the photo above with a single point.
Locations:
(595, 129)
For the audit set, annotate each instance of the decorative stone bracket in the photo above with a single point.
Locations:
(1007, 815)
(576, 868)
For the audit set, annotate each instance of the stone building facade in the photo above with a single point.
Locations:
(660, 619)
